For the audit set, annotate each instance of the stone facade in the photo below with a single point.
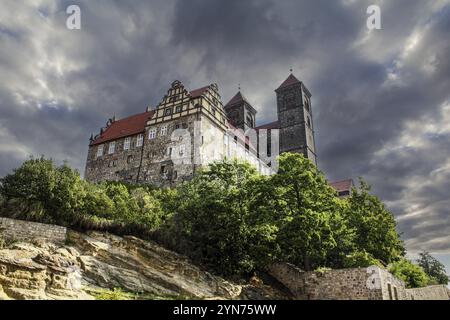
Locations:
(371, 283)
(189, 129)
(31, 231)
(295, 119)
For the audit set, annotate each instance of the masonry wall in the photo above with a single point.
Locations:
(439, 292)
(371, 283)
(30, 231)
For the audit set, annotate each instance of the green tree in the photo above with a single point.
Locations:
(214, 222)
(375, 226)
(433, 268)
(413, 275)
(312, 225)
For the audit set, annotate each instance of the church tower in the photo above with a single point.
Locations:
(240, 112)
(295, 118)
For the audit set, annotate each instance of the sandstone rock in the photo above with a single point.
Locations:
(102, 261)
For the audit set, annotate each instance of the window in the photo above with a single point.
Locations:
(179, 109)
(140, 140)
(390, 291)
(177, 126)
(184, 125)
(182, 149)
(213, 111)
(163, 131)
(127, 143)
(173, 98)
(309, 121)
(168, 111)
(175, 175)
(129, 159)
(163, 169)
(395, 293)
(169, 151)
(112, 147)
(152, 133)
(99, 151)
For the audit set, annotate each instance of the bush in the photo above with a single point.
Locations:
(413, 275)
(42, 192)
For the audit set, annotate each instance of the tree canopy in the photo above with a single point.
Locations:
(228, 217)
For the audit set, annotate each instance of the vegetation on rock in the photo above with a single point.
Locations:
(228, 217)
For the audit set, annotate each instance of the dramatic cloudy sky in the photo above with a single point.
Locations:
(381, 99)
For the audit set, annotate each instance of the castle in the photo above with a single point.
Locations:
(189, 129)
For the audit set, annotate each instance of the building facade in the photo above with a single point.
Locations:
(166, 145)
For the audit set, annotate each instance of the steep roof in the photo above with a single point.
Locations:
(289, 81)
(125, 127)
(238, 98)
(344, 185)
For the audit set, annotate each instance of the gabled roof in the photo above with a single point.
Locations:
(289, 81)
(124, 127)
(344, 185)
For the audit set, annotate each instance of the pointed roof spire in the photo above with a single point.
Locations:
(289, 81)
(237, 99)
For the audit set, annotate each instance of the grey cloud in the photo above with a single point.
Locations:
(127, 53)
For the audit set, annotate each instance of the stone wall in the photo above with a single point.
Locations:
(439, 292)
(371, 283)
(31, 231)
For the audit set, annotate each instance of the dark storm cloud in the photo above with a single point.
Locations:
(381, 99)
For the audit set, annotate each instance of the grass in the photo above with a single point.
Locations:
(119, 294)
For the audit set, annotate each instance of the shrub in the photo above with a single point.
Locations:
(413, 275)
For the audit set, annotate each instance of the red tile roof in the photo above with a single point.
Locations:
(198, 92)
(125, 127)
(271, 125)
(344, 185)
(289, 81)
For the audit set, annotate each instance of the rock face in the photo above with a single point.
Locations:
(89, 262)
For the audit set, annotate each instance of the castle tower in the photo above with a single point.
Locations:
(240, 112)
(295, 118)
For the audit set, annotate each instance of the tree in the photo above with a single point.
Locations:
(375, 226)
(311, 224)
(413, 275)
(216, 221)
(433, 268)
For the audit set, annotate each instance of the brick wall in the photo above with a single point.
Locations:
(31, 231)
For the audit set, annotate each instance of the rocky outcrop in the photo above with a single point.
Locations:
(89, 262)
